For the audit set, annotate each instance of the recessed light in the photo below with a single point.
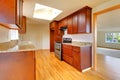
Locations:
(45, 12)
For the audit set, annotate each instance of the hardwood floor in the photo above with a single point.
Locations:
(48, 67)
(109, 67)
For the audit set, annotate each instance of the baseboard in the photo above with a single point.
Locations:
(108, 47)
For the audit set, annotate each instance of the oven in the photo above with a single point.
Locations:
(58, 50)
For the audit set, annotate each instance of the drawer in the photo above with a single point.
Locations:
(68, 59)
(76, 49)
(67, 46)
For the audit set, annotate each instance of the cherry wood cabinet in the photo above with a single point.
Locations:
(79, 57)
(84, 20)
(23, 28)
(70, 24)
(67, 54)
(11, 12)
(55, 35)
(63, 23)
(19, 65)
(82, 57)
(80, 21)
(53, 25)
(75, 23)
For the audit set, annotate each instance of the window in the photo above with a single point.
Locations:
(14, 35)
(112, 37)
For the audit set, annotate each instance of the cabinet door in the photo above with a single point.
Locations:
(84, 20)
(11, 12)
(76, 60)
(53, 25)
(75, 24)
(70, 24)
(67, 54)
(68, 59)
(7, 11)
(67, 49)
(76, 57)
(63, 23)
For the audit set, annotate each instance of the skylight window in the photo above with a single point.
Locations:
(45, 12)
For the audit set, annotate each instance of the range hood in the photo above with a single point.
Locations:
(63, 28)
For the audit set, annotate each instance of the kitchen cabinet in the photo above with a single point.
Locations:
(23, 28)
(82, 57)
(63, 23)
(80, 21)
(75, 23)
(53, 25)
(19, 65)
(53, 30)
(70, 24)
(78, 57)
(11, 12)
(84, 20)
(55, 35)
(67, 54)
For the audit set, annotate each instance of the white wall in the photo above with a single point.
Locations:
(106, 5)
(38, 34)
(107, 25)
(4, 34)
(101, 40)
(79, 37)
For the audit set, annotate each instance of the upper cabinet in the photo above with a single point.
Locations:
(63, 23)
(53, 25)
(75, 23)
(11, 13)
(84, 20)
(70, 24)
(80, 21)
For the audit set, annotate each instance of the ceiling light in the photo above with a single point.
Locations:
(45, 12)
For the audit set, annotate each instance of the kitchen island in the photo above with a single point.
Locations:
(18, 63)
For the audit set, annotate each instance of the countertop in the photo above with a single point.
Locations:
(79, 44)
(19, 47)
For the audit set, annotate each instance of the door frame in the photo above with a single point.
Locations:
(95, 32)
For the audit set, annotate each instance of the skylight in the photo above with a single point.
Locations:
(45, 12)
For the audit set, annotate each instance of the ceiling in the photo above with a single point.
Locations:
(67, 6)
(109, 21)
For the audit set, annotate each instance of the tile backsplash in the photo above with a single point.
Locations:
(80, 37)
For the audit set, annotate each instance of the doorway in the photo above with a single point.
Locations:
(106, 69)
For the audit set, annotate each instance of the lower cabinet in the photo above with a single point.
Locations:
(80, 56)
(20, 65)
(68, 59)
(67, 54)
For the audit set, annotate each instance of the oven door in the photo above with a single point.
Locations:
(58, 50)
